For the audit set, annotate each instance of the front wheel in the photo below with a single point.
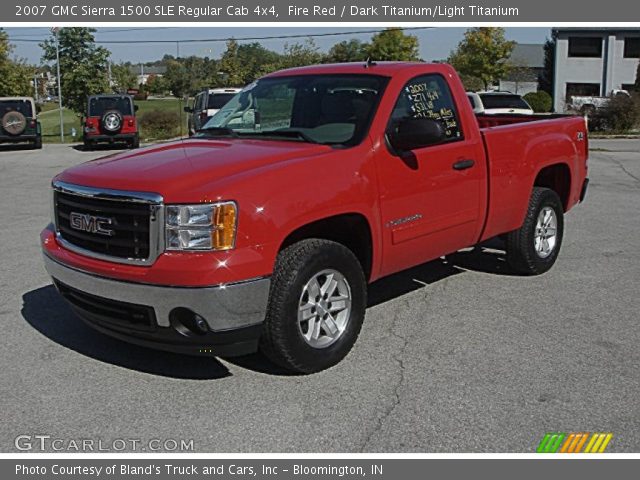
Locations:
(534, 247)
(316, 306)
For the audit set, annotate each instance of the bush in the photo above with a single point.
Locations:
(620, 114)
(159, 124)
(540, 101)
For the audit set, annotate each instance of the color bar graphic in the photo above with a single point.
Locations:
(557, 442)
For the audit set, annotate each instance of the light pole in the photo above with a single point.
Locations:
(55, 30)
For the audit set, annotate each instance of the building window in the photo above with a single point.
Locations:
(590, 47)
(582, 90)
(632, 47)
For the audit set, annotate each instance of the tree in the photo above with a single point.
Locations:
(122, 78)
(230, 67)
(483, 53)
(177, 79)
(83, 65)
(348, 51)
(540, 101)
(546, 78)
(15, 75)
(300, 54)
(185, 76)
(393, 44)
(471, 83)
(157, 85)
(256, 61)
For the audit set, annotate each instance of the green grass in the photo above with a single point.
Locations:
(50, 118)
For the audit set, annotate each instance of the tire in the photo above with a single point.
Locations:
(283, 338)
(135, 143)
(527, 252)
(112, 121)
(37, 143)
(88, 145)
(14, 123)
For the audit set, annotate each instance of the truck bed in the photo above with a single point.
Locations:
(488, 121)
(517, 148)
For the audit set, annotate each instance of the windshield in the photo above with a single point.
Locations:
(99, 105)
(219, 100)
(504, 101)
(327, 109)
(22, 106)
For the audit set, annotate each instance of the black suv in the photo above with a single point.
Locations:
(19, 122)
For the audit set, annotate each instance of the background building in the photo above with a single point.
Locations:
(528, 62)
(594, 61)
(143, 73)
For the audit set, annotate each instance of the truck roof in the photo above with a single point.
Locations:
(110, 95)
(375, 68)
(16, 98)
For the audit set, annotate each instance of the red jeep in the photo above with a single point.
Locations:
(110, 119)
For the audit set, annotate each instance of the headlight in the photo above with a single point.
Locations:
(201, 227)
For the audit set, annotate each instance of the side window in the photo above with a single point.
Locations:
(199, 102)
(428, 96)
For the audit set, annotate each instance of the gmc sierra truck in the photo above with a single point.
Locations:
(264, 229)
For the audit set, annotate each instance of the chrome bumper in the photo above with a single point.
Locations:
(225, 307)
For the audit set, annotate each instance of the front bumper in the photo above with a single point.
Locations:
(147, 314)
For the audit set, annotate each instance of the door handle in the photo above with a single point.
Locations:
(463, 164)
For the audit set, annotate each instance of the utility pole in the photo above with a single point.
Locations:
(35, 86)
(55, 31)
(180, 109)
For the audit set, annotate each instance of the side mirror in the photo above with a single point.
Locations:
(135, 108)
(38, 109)
(188, 110)
(412, 133)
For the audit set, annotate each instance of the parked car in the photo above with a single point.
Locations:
(206, 104)
(264, 229)
(493, 103)
(588, 105)
(109, 119)
(19, 121)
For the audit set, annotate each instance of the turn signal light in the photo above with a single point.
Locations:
(224, 220)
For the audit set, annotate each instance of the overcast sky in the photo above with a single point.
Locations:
(435, 43)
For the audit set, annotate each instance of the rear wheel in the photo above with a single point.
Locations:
(88, 145)
(534, 247)
(37, 143)
(135, 142)
(316, 306)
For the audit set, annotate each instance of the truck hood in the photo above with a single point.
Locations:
(172, 169)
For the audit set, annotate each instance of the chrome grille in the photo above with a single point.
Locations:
(134, 221)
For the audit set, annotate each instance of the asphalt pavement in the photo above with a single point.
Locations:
(458, 355)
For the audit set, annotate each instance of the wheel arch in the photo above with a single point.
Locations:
(556, 177)
(352, 230)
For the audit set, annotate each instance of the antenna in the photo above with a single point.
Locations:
(369, 63)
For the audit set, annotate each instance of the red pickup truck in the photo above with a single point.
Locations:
(263, 230)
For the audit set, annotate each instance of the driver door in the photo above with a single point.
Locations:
(431, 197)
